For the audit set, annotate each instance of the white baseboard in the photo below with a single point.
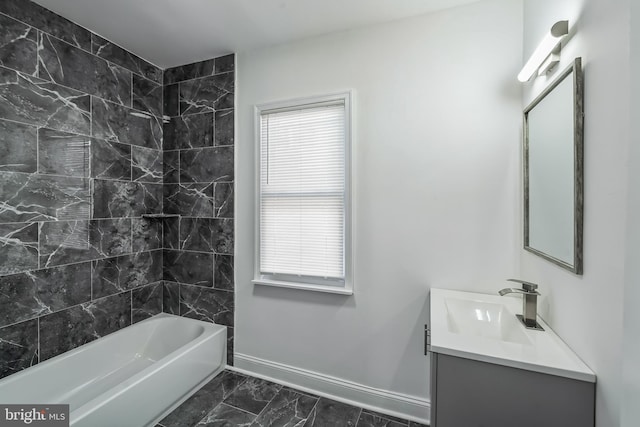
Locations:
(384, 401)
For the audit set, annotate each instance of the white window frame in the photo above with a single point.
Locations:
(292, 281)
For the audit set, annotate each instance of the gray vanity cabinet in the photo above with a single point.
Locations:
(469, 393)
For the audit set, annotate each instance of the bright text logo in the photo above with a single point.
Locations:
(34, 415)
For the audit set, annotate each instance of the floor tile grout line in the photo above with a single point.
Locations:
(312, 409)
(235, 407)
(238, 386)
(385, 416)
(358, 419)
(271, 400)
(223, 400)
(221, 374)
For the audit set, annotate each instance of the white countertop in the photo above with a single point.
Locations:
(518, 347)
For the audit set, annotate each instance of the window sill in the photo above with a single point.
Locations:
(304, 286)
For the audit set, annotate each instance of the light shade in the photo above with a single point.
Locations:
(544, 49)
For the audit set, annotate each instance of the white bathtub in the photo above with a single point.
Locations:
(131, 378)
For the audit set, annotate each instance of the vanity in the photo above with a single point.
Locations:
(489, 370)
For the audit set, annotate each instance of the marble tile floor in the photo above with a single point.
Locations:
(232, 399)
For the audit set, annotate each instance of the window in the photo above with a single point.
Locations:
(303, 224)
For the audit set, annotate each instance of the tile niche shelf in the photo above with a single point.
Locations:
(159, 216)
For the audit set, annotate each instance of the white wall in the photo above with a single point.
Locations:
(631, 337)
(437, 157)
(586, 311)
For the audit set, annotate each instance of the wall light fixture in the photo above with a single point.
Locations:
(547, 54)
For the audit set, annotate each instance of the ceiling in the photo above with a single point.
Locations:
(175, 32)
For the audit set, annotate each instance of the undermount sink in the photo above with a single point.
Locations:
(484, 319)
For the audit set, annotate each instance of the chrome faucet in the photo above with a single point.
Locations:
(529, 303)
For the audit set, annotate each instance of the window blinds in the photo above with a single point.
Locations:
(302, 191)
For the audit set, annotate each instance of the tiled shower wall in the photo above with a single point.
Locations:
(80, 164)
(198, 186)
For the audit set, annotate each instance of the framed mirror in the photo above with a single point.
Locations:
(553, 171)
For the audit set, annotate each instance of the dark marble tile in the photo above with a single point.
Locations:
(18, 45)
(224, 200)
(43, 19)
(114, 122)
(209, 305)
(224, 64)
(171, 167)
(171, 233)
(69, 66)
(43, 198)
(223, 272)
(206, 165)
(374, 420)
(189, 199)
(146, 165)
(28, 295)
(171, 101)
(150, 71)
(63, 153)
(110, 160)
(146, 302)
(204, 400)
(189, 71)
(147, 95)
(191, 131)
(225, 127)
(18, 347)
(123, 273)
(288, 408)
(227, 416)
(110, 237)
(27, 99)
(207, 94)
(191, 268)
(18, 147)
(113, 199)
(195, 234)
(114, 53)
(385, 416)
(328, 412)
(79, 325)
(146, 234)
(66, 242)
(152, 196)
(230, 340)
(18, 247)
(171, 298)
(222, 236)
(254, 395)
